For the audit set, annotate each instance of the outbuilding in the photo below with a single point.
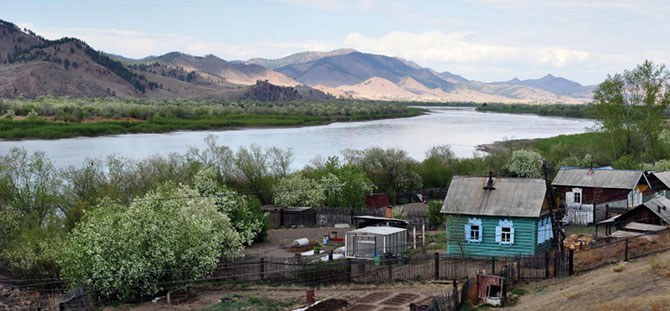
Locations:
(369, 242)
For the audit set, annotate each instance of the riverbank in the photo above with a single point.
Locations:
(50, 129)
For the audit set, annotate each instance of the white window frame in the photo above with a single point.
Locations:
(468, 230)
(578, 197)
(505, 224)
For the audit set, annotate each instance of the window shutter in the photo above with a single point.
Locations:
(481, 232)
(466, 228)
(550, 234)
(511, 235)
(498, 234)
(540, 231)
(570, 197)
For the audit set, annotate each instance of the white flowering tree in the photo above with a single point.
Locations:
(153, 244)
(296, 191)
(248, 220)
(525, 163)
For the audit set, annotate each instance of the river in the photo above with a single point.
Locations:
(461, 128)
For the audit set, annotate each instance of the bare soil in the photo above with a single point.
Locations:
(279, 241)
(368, 298)
(636, 287)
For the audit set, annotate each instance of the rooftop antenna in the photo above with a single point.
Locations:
(489, 182)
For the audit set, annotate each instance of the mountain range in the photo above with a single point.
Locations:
(32, 66)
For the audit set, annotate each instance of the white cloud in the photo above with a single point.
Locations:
(435, 46)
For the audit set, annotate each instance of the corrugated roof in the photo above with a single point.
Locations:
(378, 230)
(664, 177)
(512, 197)
(653, 205)
(600, 178)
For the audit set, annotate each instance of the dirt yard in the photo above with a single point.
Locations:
(359, 298)
(637, 286)
(279, 241)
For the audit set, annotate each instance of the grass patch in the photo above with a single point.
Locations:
(22, 129)
(574, 229)
(659, 266)
(237, 302)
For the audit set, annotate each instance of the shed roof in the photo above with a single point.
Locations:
(599, 178)
(636, 226)
(378, 230)
(664, 177)
(512, 197)
(654, 204)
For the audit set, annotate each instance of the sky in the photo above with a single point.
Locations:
(485, 40)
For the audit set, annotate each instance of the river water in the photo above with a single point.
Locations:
(461, 128)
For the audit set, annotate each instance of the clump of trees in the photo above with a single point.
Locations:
(631, 108)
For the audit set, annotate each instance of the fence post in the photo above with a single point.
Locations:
(454, 296)
(571, 262)
(493, 265)
(518, 268)
(390, 268)
(349, 270)
(281, 217)
(626, 252)
(262, 268)
(437, 266)
(546, 265)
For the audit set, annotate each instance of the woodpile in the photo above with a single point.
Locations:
(577, 241)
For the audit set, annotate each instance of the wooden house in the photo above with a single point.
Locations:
(660, 182)
(490, 216)
(648, 217)
(590, 193)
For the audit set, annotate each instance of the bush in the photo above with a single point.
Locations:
(297, 191)
(525, 163)
(435, 217)
(154, 244)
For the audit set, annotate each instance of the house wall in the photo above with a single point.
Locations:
(525, 237)
(639, 214)
(593, 195)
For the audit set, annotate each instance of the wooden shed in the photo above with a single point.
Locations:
(369, 242)
(490, 216)
(650, 216)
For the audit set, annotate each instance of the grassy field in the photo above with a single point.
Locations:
(47, 129)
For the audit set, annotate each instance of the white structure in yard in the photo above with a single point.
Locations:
(369, 242)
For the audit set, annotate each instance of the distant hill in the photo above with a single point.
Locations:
(556, 85)
(452, 77)
(238, 73)
(32, 66)
(297, 58)
(356, 67)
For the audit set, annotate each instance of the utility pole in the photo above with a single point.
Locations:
(559, 235)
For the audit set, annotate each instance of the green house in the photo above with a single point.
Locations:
(489, 216)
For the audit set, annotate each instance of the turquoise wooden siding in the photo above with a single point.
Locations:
(525, 238)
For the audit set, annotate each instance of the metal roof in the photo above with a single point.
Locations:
(664, 177)
(512, 197)
(653, 205)
(378, 230)
(599, 178)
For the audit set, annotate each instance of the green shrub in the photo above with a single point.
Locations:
(435, 217)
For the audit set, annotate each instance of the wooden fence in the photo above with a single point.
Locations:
(328, 217)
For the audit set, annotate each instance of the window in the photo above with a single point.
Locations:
(544, 230)
(506, 235)
(505, 232)
(578, 197)
(473, 230)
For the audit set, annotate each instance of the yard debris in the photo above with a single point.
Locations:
(300, 242)
(577, 241)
